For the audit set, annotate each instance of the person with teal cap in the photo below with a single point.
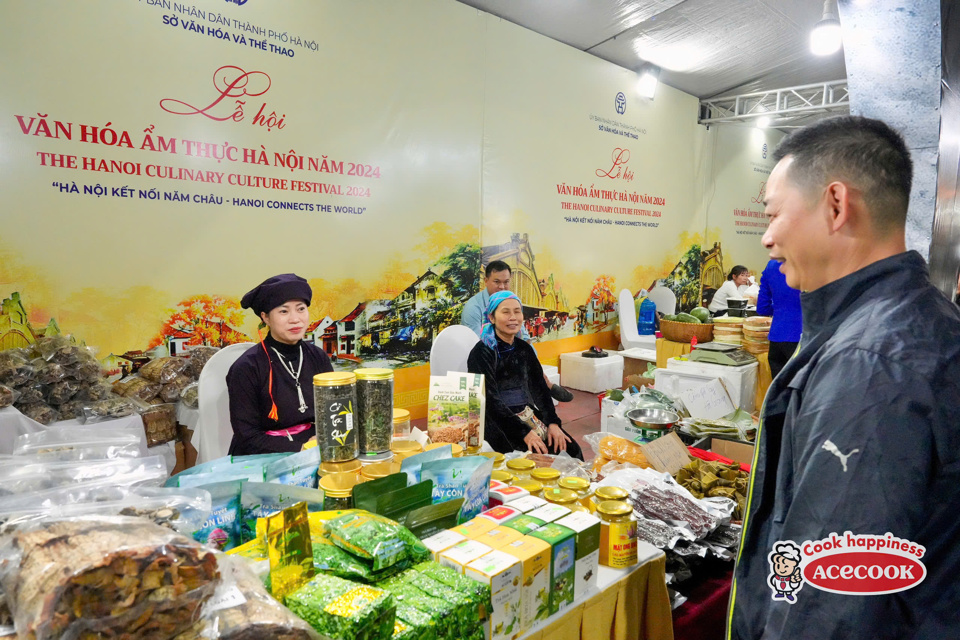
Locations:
(515, 385)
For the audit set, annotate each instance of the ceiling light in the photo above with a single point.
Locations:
(763, 122)
(826, 38)
(648, 81)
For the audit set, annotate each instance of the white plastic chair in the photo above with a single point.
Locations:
(214, 431)
(665, 299)
(630, 338)
(451, 348)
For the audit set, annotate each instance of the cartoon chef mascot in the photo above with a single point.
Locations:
(785, 579)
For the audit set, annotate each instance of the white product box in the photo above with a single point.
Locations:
(442, 541)
(460, 555)
(587, 535)
(591, 374)
(503, 572)
(549, 512)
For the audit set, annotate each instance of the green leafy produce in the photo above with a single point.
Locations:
(479, 591)
(689, 319)
(701, 313)
(344, 610)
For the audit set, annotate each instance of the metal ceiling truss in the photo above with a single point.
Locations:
(780, 105)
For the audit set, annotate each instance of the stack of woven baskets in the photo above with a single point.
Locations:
(755, 334)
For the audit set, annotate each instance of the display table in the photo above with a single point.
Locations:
(667, 349)
(629, 604)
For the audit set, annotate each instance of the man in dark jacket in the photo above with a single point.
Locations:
(859, 442)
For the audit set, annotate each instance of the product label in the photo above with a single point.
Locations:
(618, 544)
(335, 417)
(229, 598)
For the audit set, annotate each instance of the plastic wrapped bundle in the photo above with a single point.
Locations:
(251, 613)
(190, 396)
(137, 387)
(340, 609)
(171, 390)
(15, 370)
(59, 350)
(7, 396)
(375, 538)
(163, 370)
(108, 409)
(40, 412)
(30, 393)
(123, 578)
(160, 423)
(199, 356)
(62, 392)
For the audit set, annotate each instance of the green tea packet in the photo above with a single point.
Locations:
(338, 608)
(289, 549)
(467, 478)
(375, 538)
(262, 499)
(397, 504)
(434, 518)
(299, 469)
(478, 591)
(365, 494)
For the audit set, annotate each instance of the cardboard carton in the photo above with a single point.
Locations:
(442, 541)
(525, 524)
(550, 512)
(473, 528)
(586, 530)
(534, 554)
(460, 555)
(499, 537)
(500, 515)
(562, 563)
(503, 573)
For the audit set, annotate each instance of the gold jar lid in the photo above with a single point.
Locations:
(545, 474)
(373, 374)
(521, 464)
(376, 470)
(339, 485)
(557, 495)
(457, 449)
(574, 483)
(350, 466)
(334, 379)
(400, 415)
(405, 447)
(614, 508)
(611, 493)
(502, 476)
(493, 455)
(532, 486)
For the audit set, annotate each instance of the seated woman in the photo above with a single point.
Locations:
(737, 282)
(271, 385)
(514, 381)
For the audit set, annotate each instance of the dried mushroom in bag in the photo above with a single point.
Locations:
(105, 577)
(87, 370)
(95, 391)
(62, 392)
(171, 390)
(72, 409)
(30, 393)
(109, 409)
(40, 412)
(241, 609)
(163, 370)
(7, 396)
(199, 356)
(59, 349)
(190, 396)
(48, 372)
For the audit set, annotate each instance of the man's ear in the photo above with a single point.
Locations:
(839, 213)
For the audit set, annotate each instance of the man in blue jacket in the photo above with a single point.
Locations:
(779, 300)
(857, 461)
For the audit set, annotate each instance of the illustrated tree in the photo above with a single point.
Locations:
(462, 268)
(209, 320)
(602, 293)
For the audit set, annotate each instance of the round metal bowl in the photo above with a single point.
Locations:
(652, 418)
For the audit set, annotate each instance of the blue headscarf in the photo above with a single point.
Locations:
(489, 335)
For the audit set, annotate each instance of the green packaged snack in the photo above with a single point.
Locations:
(465, 609)
(365, 494)
(478, 591)
(344, 610)
(262, 499)
(432, 519)
(374, 538)
(330, 559)
(439, 611)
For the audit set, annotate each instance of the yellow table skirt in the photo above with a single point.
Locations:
(636, 607)
(667, 349)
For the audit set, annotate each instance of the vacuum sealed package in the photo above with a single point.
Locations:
(374, 538)
(299, 469)
(108, 577)
(7, 396)
(467, 478)
(190, 396)
(262, 499)
(222, 529)
(241, 609)
(163, 370)
(58, 445)
(38, 476)
(159, 423)
(338, 608)
(366, 494)
(289, 550)
(40, 412)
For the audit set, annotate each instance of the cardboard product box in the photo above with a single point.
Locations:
(549, 512)
(496, 484)
(741, 452)
(473, 528)
(586, 530)
(506, 495)
(562, 563)
(460, 555)
(525, 524)
(499, 537)
(528, 504)
(500, 515)
(534, 554)
(440, 542)
(503, 573)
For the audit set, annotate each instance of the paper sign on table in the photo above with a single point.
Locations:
(709, 400)
(666, 453)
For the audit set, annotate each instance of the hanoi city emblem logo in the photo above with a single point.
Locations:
(621, 103)
(855, 565)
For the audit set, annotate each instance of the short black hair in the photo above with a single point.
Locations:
(736, 271)
(497, 265)
(868, 154)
